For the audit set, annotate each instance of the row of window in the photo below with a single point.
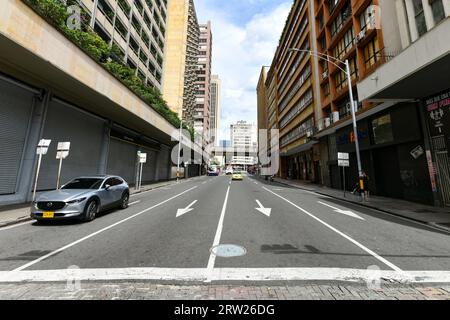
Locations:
(305, 75)
(305, 101)
(297, 132)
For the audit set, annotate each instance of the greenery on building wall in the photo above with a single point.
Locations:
(111, 58)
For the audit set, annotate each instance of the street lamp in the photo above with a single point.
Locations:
(335, 62)
(179, 140)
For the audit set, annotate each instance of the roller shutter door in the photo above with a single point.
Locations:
(149, 168)
(15, 112)
(122, 159)
(84, 131)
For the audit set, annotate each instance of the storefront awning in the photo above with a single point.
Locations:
(303, 147)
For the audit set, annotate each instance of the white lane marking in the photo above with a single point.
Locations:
(375, 255)
(265, 211)
(225, 274)
(346, 212)
(204, 182)
(212, 256)
(16, 225)
(134, 202)
(180, 212)
(29, 264)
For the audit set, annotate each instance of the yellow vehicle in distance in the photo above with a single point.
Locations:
(237, 175)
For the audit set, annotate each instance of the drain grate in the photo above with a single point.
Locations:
(228, 250)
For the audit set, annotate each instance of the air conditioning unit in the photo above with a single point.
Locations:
(327, 122)
(361, 35)
(309, 133)
(320, 125)
(325, 74)
(335, 116)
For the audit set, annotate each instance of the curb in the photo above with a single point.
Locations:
(429, 224)
(12, 222)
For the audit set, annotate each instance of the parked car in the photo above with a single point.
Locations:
(82, 198)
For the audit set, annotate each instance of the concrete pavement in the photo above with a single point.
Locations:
(307, 238)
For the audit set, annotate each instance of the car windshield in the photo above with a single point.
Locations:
(84, 183)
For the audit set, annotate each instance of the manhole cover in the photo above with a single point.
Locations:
(228, 250)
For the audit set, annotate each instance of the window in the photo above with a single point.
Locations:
(371, 53)
(420, 17)
(382, 129)
(438, 10)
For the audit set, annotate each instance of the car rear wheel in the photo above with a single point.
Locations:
(90, 211)
(124, 200)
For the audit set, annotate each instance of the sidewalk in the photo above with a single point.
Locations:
(21, 213)
(433, 216)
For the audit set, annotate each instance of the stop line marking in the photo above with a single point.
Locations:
(224, 274)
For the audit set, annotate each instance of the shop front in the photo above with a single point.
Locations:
(437, 112)
(392, 153)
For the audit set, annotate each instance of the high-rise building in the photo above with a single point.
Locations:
(181, 59)
(291, 98)
(262, 102)
(203, 97)
(243, 139)
(216, 85)
(397, 77)
(137, 28)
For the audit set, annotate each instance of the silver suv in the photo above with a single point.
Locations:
(82, 198)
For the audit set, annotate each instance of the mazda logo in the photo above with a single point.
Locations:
(49, 204)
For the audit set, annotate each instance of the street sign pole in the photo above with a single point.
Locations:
(61, 154)
(343, 169)
(58, 179)
(37, 176)
(41, 150)
(140, 176)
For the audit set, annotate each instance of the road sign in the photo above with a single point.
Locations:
(343, 156)
(344, 163)
(142, 158)
(63, 150)
(42, 147)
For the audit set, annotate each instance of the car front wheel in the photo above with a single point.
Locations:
(124, 200)
(90, 211)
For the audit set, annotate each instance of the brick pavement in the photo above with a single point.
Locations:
(149, 291)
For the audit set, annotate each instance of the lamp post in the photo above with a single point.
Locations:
(347, 71)
(179, 148)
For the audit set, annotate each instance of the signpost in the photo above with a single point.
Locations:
(61, 154)
(344, 161)
(142, 160)
(41, 150)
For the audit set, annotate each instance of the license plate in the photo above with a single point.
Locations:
(48, 215)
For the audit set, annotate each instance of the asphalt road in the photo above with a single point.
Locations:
(306, 236)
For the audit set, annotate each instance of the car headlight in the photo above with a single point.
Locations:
(76, 201)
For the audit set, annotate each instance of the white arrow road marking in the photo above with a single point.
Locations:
(265, 211)
(135, 202)
(180, 212)
(372, 253)
(346, 212)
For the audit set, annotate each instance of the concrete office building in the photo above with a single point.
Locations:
(291, 96)
(243, 138)
(51, 89)
(181, 59)
(137, 28)
(202, 111)
(398, 65)
(215, 114)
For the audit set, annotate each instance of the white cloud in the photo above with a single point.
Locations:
(239, 52)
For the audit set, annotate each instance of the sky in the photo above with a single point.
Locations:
(245, 37)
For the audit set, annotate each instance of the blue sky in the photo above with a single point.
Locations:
(245, 36)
